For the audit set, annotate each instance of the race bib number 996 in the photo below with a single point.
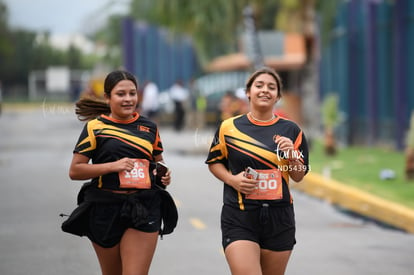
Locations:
(138, 177)
(269, 186)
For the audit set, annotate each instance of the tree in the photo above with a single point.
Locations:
(74, 58)
(214, 25)
(110, 36)
(23, 51)
(6, 44)
(327, 11)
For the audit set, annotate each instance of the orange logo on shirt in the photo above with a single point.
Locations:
(144, 129)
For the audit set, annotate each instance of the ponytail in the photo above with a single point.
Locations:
(88, 108)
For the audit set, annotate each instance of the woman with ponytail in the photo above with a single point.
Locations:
(121, 209)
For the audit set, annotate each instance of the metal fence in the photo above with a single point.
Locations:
(154, 54)
(368, 60)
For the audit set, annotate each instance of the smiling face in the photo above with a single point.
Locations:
(263, 93)
(123, 100)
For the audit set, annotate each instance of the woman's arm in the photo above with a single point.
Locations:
(238, 182)
(297, 170)
(81, 169)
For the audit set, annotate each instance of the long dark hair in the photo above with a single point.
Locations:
(88, 108)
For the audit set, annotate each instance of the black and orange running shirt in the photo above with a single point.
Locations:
(106, 139)
(240, 143)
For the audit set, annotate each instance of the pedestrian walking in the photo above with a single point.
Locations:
(255, 154)
(179, 94)
(121, 209)
(150, 102)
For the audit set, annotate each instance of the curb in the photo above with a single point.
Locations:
(358, 201)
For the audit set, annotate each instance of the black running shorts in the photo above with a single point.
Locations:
(273, 228)
(107, 224)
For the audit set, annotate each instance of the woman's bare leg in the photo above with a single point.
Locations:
(137, 249)
(243, 258)
(109, 259)
(274, 262)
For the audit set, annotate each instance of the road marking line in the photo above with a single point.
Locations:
(197, 223)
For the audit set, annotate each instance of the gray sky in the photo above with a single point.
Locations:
(61, 16)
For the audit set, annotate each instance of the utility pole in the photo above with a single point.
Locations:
(309, 90)
(251, 41)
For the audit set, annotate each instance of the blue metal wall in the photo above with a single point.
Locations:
(368, 61)
(151, 53)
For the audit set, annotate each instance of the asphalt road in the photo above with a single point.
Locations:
(35, 152)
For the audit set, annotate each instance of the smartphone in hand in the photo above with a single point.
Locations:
(161, 169)
(251, 173)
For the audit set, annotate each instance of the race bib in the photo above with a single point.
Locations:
(269, 186)
(138, 177)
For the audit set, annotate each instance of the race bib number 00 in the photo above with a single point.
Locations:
(138, 177)
(269, 186)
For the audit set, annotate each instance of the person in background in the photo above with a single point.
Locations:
(76, 90)
(198, 105)
(179, 94)
(232, 104)
(200, 116)
(121, 209)
(255, 155)
(243, 102)
(228, 105)
(150, 101)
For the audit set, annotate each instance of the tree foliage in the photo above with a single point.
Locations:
(330, 111)
(327, 11)
(110, 35)
(23, 51)
(213, 25)
(5, 43)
